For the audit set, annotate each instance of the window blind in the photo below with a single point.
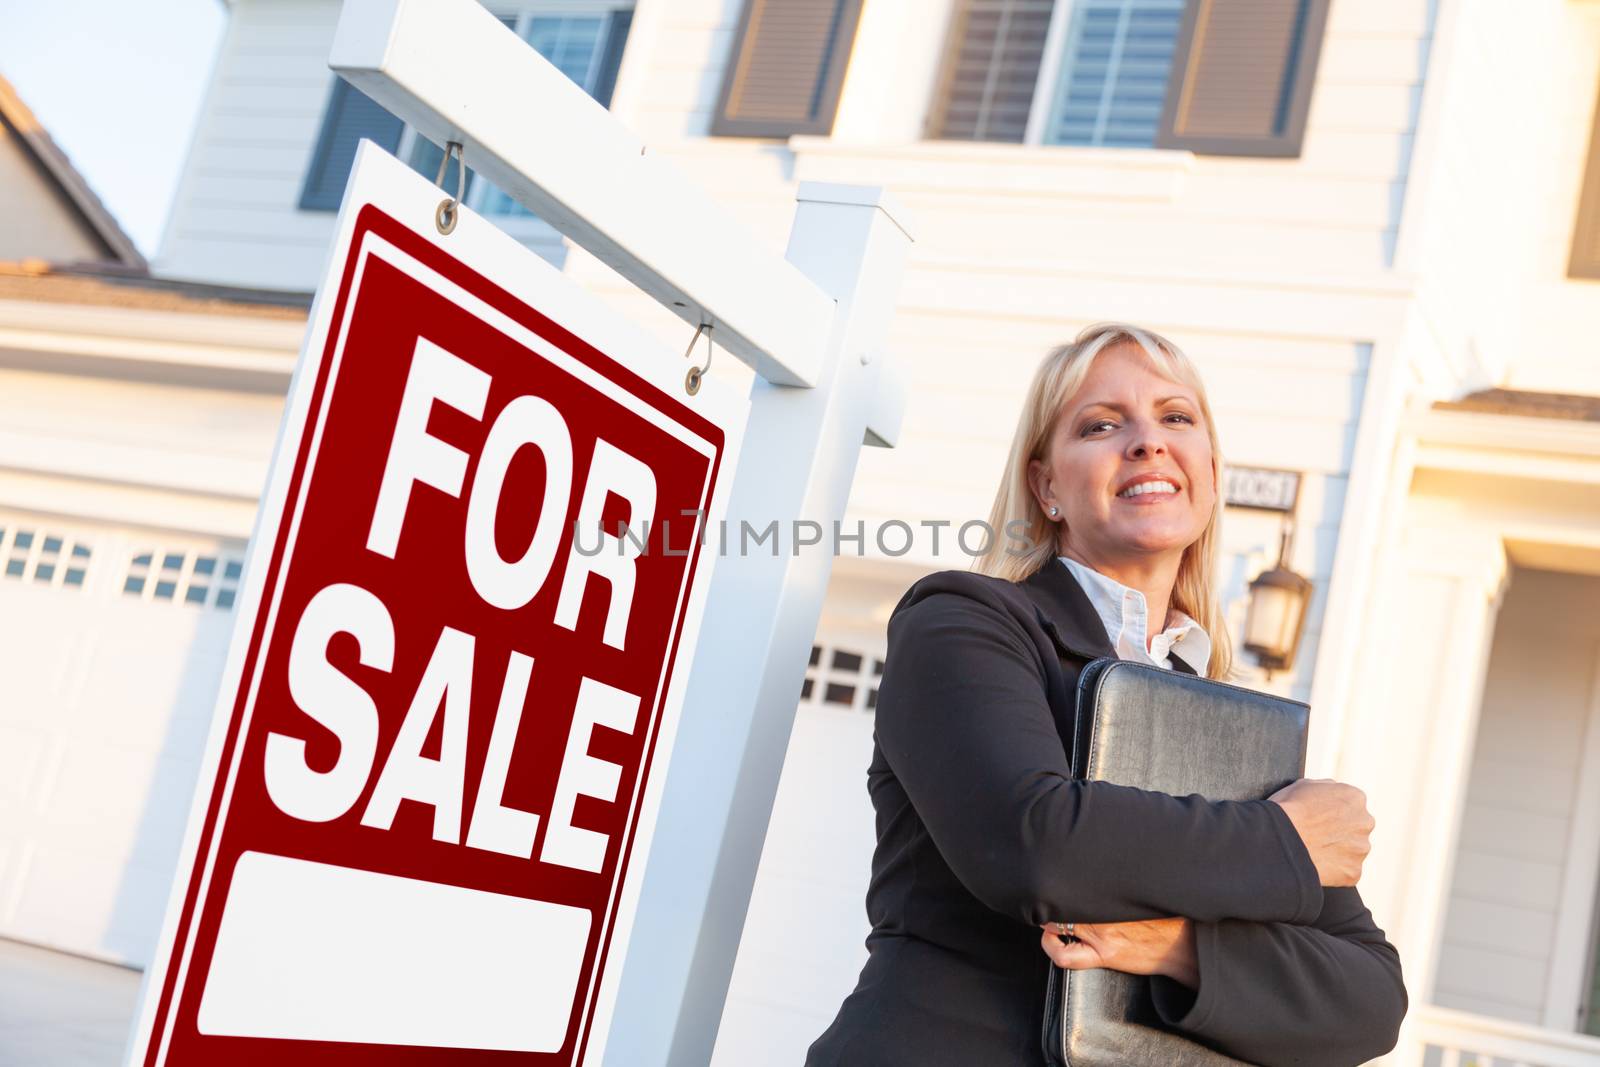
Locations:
(991, 69)
(1113, 79)
(351, 115)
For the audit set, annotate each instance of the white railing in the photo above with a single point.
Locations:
(1440, 1037)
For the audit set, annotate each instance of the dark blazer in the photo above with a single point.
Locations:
(983, 834)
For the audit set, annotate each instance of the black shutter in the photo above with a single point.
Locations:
(990, 71)
(1242, 77)
(351, 115)
(787, 67)
(1585, 261)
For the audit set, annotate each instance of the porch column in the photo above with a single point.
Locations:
(1411, 728)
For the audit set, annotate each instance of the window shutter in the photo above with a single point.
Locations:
(787, 68)
(351, 115)
(1242, 77)
(1586, 243)
(991, 68)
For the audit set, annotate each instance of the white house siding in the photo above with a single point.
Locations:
(235, 219)
(1499, 170)
(1505, 910)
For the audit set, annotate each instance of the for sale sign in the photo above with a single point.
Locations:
(468, 612)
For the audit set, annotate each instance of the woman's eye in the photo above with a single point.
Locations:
(1096, 426)
(1180, 416)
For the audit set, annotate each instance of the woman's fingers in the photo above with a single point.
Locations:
(1071, 955)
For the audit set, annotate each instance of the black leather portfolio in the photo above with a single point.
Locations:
(1174, 733)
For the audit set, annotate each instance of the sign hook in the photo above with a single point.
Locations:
(691, 381)
(445, 215)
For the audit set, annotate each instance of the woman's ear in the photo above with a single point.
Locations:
(1039, 482)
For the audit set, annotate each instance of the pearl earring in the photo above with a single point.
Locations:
(1054, 511)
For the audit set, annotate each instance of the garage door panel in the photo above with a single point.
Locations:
(112, 642)
(92, 795)
(21, 751)
(133, 690)
(66, 898)
(36, 651)
(135, 921)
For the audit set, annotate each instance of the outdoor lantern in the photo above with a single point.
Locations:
(1277, 615)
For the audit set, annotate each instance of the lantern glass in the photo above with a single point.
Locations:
(1278, 601)
(1269, 625)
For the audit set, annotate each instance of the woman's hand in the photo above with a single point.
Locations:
(1333, 823)
(1154, 946)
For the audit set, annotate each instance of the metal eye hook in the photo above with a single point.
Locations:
(691, 381)
(445, 215)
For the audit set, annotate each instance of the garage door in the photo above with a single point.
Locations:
(111, 649)
(803, 943)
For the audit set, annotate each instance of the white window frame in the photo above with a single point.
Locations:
(528, 228)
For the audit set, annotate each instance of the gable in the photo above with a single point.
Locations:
(50, 213)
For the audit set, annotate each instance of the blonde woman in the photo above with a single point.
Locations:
(1244, 914)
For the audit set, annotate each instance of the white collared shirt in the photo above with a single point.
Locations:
(1125, 615)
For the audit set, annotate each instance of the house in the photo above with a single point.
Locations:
(1375, 224)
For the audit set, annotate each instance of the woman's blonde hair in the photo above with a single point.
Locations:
(1017, 516)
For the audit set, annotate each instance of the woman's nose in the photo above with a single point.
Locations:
(1145, 444)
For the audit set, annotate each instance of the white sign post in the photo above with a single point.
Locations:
(812, 325)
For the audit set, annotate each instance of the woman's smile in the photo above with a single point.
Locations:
(1145, 491)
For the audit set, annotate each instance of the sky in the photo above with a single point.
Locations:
(118, 84)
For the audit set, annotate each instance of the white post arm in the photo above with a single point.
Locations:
(797, 462)
(456, 73)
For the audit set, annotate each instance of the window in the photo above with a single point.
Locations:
(995, 53)
(587, 49)
(1224, 77)
(582, 38)
(351, 115)
(41, 557)
(1113, 77)
(841, 678)
(199, 579)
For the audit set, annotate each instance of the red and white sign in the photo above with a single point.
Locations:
(429, 787)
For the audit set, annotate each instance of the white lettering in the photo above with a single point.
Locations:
(584, 775)
(610, 471)
(495, 827)
(414, 455)
(407, 773)
(332, 699)
(527, 420)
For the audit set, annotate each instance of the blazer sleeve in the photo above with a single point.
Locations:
(1336, 994)
(963, 722)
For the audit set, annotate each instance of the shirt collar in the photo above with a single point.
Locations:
(1123, 612)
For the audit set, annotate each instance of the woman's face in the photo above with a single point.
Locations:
(1129, 463)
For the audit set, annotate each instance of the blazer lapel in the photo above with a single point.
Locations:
(1065, 612)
